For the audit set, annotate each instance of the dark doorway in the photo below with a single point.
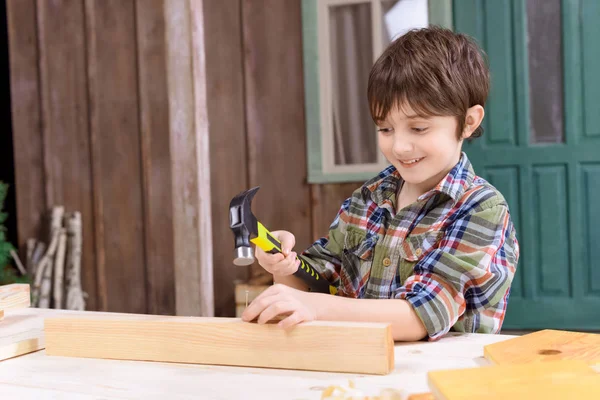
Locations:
(7, 166)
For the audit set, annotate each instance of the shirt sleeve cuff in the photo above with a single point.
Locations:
(435, 306)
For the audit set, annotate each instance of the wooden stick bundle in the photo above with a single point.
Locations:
(57, 275)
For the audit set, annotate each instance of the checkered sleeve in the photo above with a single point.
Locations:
(464, 283)
(324, 254)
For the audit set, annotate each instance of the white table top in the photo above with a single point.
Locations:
(38, 376)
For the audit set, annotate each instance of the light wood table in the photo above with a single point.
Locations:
(38, 376)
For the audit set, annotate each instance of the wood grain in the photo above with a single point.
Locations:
(188, 134)
(546, 345)
(156, 156)
(274, 101)
(16, 295)
(203, 168)
(319, 345)
(26, 118)
(566, 379)
(228, 161)
(113, 101)
(22, 330)
(62, 60)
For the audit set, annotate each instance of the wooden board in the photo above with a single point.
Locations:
(546, 345)
(274, 99)
(65, 117)
(116, 155)
(318, 345)
(14, 296)
(22, 331)
(156, 156)
(565, 379)
(26, 117)
(228, 162)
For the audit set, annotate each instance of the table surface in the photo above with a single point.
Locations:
(38, 376)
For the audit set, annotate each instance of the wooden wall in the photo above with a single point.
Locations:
(91, 120)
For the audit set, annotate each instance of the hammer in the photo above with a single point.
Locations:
(247, 229)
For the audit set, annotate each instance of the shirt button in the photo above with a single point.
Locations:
(419, 252)
(387, 262)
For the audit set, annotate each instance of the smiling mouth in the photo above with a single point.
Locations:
(411, 162)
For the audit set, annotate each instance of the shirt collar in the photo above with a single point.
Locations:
(382, 188)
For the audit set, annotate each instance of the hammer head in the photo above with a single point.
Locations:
(244, 226)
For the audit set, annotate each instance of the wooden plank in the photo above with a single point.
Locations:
(229, 173)
(22, 330)
(115, 133)
(546, 345)
(16, 295)
(156, 156)
(20, 336)
(26, 118)
(190, 158)
(326, 200)
(274, 100)
(201, 133)
(62, 51)
(566, 379)
(318, 345)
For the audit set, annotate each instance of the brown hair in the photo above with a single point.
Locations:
(434, 70)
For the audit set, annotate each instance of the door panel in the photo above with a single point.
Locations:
(541, 149)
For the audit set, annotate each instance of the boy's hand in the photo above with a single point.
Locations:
(280, 264)
(283, 300)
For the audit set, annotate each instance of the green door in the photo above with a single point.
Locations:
(541, 148)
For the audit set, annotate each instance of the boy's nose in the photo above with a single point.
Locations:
(402, 146)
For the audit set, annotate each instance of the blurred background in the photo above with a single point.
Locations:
(130, 125)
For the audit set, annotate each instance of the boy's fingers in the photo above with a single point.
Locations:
(287, 239)
(291, 321)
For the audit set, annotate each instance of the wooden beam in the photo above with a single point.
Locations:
(320, 345)
(14, 296)
(22, 331)
(190, 169)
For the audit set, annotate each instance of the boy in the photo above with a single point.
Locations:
(426, 245)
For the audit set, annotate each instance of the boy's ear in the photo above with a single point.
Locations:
(473, 119)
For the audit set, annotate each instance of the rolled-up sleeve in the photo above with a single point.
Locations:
(324, 254)
(464, 283)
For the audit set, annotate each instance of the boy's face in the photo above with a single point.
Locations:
(423, 150)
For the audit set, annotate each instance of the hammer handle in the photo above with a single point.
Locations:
(308, 274)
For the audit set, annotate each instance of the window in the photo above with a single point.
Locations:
(342, 39)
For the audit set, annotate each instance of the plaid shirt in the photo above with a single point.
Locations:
(452, 254)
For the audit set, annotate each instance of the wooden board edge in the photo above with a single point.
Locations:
(389, 343)
(421, 396)
(20, 291)
(21, 348)
(488, 356)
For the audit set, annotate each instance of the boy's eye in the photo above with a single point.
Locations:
(384, 130)
(419, 130)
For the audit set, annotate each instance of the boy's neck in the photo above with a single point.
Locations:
(408, 193)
